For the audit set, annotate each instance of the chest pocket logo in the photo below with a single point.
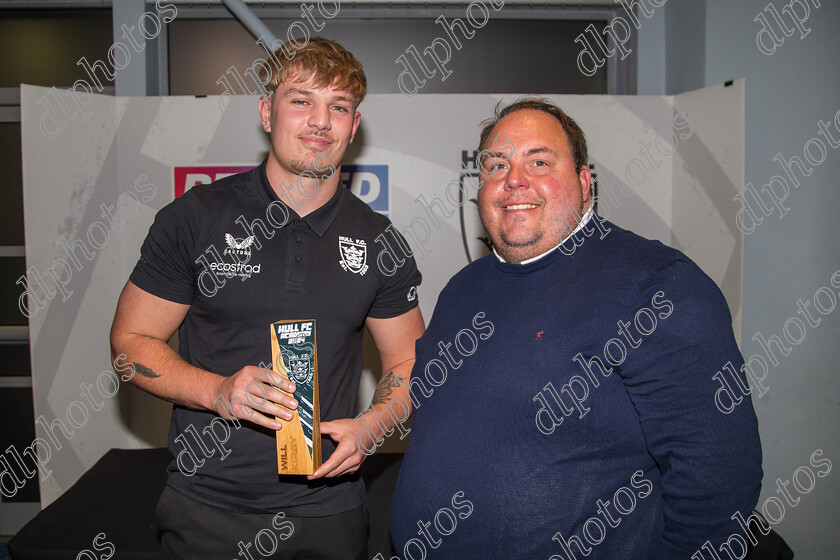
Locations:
(353, 255)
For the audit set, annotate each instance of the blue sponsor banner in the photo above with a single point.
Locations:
(369, 183)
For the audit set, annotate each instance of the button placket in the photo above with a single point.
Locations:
(296, 269)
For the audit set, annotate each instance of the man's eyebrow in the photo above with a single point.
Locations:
(539, 150)
(308, 92)
(297, 91)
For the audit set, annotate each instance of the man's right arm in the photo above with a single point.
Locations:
(143, 324)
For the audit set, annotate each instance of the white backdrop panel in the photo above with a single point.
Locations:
(419, 145)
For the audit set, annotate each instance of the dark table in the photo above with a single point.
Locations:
(118, 495)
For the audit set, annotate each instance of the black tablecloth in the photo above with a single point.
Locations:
(118, 495)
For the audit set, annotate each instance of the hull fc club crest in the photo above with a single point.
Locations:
(299, 359)
(294, 355)
(353, 254)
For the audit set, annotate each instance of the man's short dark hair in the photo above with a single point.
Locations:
(577, 140)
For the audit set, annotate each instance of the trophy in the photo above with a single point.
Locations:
(294, 355)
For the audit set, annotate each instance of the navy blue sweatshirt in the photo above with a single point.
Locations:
(566, 408)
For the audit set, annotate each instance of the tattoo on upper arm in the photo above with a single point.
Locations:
(145, 371)
(386, 387)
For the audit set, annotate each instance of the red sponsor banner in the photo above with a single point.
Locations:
(188, 177)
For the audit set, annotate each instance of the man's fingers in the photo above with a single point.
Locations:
(259, 418)
(256, 389)
(277, 380)
(264, 397)
(271, 409)
(273, 396)
(323, 469)
(342, 461)
(330, 468)
(346, 467)
(336, 459)
(284, 384)
(327, 429)
(283, 399)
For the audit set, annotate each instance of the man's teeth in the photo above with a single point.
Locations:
(520, 206)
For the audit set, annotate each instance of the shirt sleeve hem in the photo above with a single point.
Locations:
(155, 290)
(390, 313)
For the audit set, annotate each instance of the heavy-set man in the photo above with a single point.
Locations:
(221, 264)
(587, 427)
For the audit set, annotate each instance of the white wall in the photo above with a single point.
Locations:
(785, 259)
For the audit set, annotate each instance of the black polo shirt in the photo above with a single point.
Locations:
(243, 260)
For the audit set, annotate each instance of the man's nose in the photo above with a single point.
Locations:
(319, 117)
(516, 177)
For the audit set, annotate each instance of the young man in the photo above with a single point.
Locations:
(225, 261)
(587, 425)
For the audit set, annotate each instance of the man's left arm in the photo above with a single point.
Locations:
(394, 338)
(709, 459)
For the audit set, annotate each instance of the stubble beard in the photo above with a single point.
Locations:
(504, 244)
(313, 163)
(301, 166)
(535, 238)
(510, 248)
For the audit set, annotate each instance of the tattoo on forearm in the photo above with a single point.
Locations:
(145, 371)
(386, 387)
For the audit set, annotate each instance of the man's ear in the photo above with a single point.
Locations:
(357, 119)
(265, 112)
(585, 178)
